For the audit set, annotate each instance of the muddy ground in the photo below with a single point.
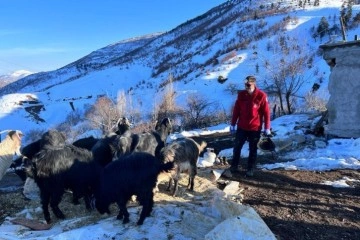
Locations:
(294, 204)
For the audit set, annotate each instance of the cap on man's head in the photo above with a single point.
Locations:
(250, 79)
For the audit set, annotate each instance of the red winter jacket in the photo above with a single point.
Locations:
(251, 111)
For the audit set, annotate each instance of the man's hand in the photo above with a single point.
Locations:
(268, 132)
(232, 130)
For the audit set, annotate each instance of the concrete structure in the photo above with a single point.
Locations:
(344, 88)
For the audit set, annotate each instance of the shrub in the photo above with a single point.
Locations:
(200, 112)
(313, 101)
(232, 88)
(103, 114)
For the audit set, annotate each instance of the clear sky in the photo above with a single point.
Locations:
(43, 35)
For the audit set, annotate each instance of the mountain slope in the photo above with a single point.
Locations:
(235, 39)
(10, 78)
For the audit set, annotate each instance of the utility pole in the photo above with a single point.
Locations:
(342, 28)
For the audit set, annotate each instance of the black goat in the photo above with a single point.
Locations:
(58, 167)
(184, 153)
(123, 125)
(86, 142)
(133, 174)
(113, 145)
(151, 142)
(30, 150)
(105, 149)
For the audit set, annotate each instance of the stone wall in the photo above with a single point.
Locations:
(344, 88)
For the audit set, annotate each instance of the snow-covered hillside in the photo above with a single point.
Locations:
(231, 40)
(12, 77)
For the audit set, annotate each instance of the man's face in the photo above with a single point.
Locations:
(249, 85)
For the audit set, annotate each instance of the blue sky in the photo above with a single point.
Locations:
(43, 35)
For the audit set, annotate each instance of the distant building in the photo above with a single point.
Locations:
(344, 88)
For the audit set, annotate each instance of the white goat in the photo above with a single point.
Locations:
(8, 147)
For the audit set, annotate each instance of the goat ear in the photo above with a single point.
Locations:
(19, 134)
(11, 134)
(170, 122)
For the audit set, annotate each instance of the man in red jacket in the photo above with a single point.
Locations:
(250, 112)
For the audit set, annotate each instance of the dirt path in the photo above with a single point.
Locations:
(296, 206)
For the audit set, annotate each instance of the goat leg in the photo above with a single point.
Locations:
(147, 203)
(54, 203)
(123, 213)
(191, 183)
(126, 215)
(56, 210)
(45, 199)
(176, 186)
(120, 215)
(169, 184)
(58, 213)
(87, 200)
(192, 175)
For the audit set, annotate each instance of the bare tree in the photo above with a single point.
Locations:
(127, 108)
(121, 103)
(201, 112)
(167, 106)
(323, 28)
(74, 118)
(103, 114)
(286, 72)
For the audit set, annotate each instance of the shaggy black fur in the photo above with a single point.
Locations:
(123, 125)
(58, 167)
(113, 145)
(105, 149)
(87, 142)
(150, 142)
(31, 149)
(133, 174)
(121, 140)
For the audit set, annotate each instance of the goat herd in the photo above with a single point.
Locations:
(103, 171)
